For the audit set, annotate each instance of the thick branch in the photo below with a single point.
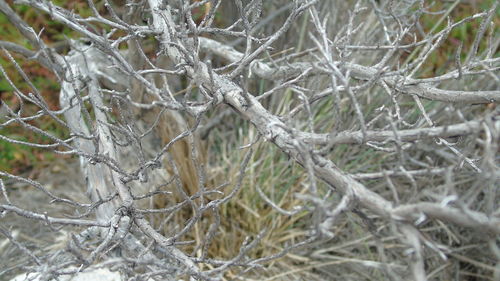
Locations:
(402, 135)
(402, 84)
(274, 130)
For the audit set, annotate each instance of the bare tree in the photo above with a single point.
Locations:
(151, 88)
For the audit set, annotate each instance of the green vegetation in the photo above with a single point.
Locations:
(444, 56)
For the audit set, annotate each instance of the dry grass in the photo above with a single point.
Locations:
(363, 248)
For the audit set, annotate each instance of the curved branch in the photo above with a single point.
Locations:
(31, 55)
(51, 220)
(402, 84)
